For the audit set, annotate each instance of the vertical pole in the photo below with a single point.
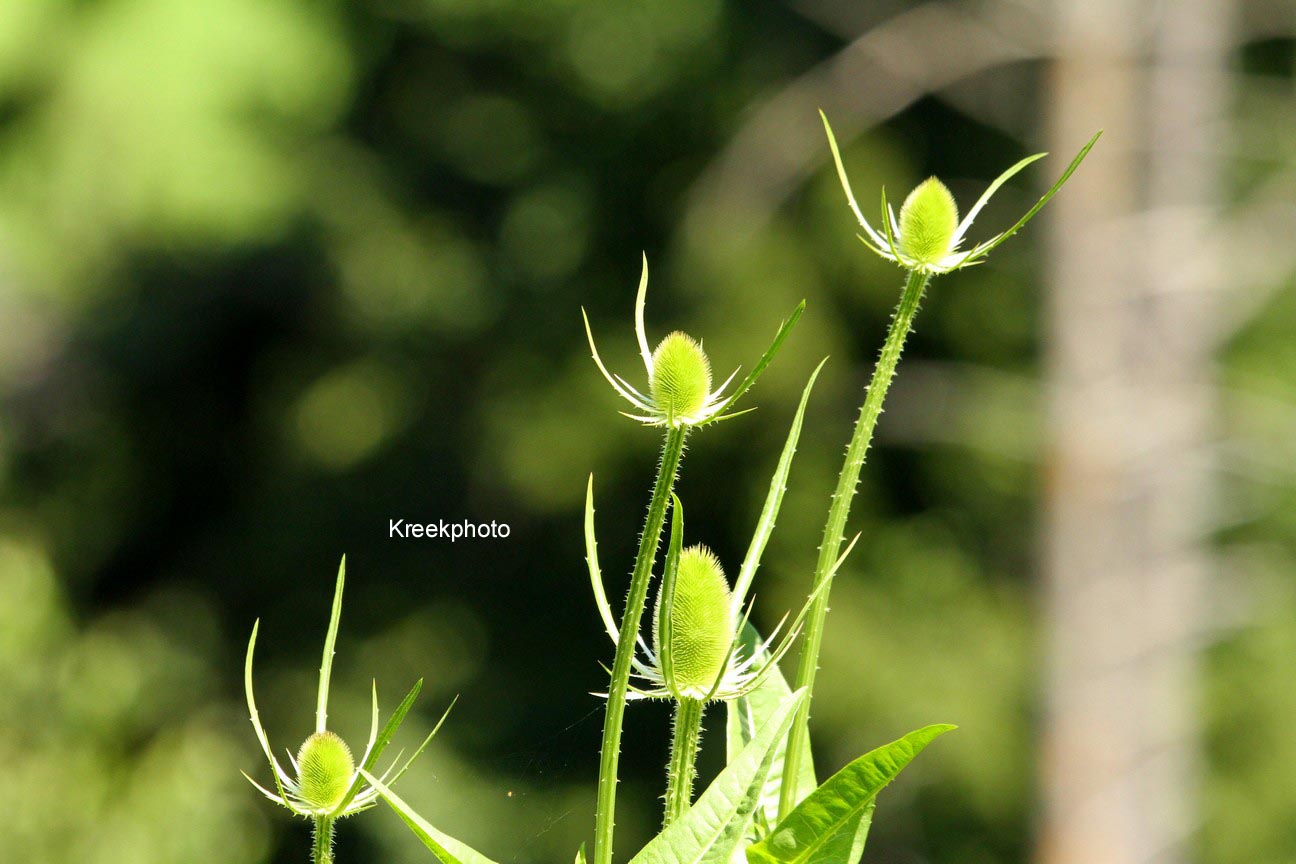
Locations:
(1130, 396)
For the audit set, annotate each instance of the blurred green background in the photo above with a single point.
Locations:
(274, 272)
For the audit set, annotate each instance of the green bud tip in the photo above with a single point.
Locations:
(928, 220)
(681, 376)
(325, 770)
(702, 627)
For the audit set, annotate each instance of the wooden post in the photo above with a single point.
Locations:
(1133, 282)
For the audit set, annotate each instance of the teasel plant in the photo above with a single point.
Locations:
(326, 785)
(679, 399)
(695, 657)
(926, 240)
(766, 806)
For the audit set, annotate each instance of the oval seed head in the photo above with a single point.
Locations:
(325, 770)
(928, 220)
(681, 376)
(702, 627)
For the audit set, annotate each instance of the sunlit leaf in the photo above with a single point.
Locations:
(715, 826)
(825, 828)
(748, 714)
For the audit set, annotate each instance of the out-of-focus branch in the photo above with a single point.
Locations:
(917, 52)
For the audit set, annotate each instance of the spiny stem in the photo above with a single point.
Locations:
(610, 752)
(682, 769)
(323, 841)
(834, 529)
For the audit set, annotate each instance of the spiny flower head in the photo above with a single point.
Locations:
(679, 392)
(928, 235)
(928, 220)
(325, 770)
(701, 626)
(680, 382)
(328, 783)
(696, 650)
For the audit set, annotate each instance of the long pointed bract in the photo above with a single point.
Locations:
(641, 300)
(326, 664)
(611, 379)
(986, 248)
(280, 776)
(381, 742)
(779, 338)
(596, 576)
(845, 184)
(989, 192)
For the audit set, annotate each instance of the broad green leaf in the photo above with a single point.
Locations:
(447, 849)
(715, 826)
(829, 826)
(748, 714)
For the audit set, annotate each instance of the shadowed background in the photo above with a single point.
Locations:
(273, 273)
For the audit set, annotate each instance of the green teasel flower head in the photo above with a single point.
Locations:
(928, 236)
(325, 770)
(696, 640)
(928, 220)
(679, 392)
(680, 382)
(695, 652)
(326, 781)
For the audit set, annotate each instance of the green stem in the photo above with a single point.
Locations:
(610, 752)
(834, 529)
(682, 770)
(322, 852)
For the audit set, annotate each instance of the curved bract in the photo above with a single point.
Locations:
(680, 394)
(765, 807)
(928, 235)
(328, 784)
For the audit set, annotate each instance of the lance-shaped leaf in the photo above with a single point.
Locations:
(447, 849)
(774, 498)
(825, 827)
(749, 714)
(714, 827)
